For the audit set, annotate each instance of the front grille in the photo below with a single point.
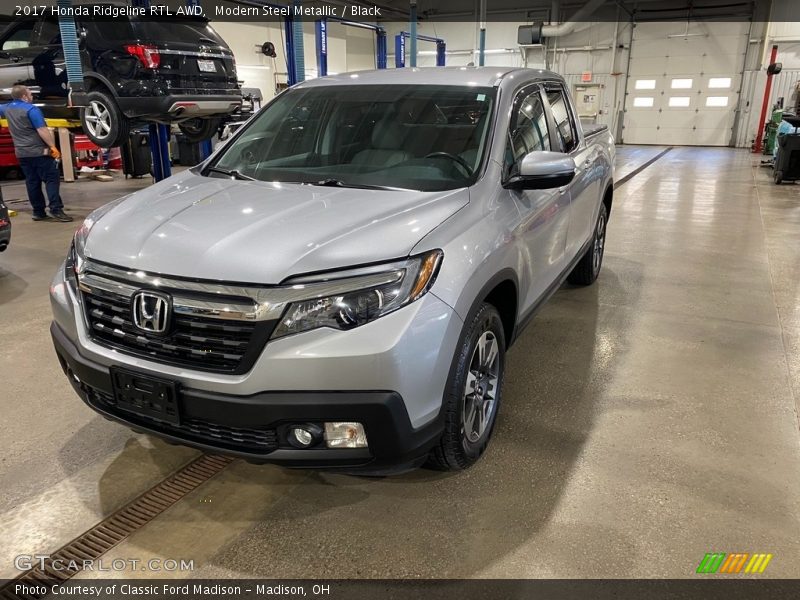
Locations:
(258, 441)
(205, 344)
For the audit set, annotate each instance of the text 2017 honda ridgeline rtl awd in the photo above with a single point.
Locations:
(337, 286)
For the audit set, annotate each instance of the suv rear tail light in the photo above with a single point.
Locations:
(147, 55)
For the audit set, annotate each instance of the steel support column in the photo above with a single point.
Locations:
(297, 40)
(413, 34)
(381, 50)
(321, 36)
(159, 148)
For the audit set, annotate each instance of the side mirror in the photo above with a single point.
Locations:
(543, 170)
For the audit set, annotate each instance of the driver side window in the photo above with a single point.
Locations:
(527, 129)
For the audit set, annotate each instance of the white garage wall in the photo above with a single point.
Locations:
(349, 49)
(589, 48)
(255, 69)
(594, 47)
(462, 40)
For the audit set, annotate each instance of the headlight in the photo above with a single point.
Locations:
(400, 284)
(72, 264)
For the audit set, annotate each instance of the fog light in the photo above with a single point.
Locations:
(345, 435)
(305, 436)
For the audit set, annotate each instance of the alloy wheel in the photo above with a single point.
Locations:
(599, 243)
(480, 391)
(98, 119)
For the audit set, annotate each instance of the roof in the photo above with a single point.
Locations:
(477, 76)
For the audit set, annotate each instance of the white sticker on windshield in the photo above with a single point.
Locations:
(481, 97)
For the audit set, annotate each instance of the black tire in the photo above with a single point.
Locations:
(588, 268)
(102, 120)
(778, 177)
(460, 446)
(199, 130)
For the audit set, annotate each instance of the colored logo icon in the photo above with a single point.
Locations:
(738, 562)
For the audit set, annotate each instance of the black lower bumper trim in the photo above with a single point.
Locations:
(393, 442)
(159, 106)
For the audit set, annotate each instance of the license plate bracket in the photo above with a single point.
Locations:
(146, 396)
(206, 66)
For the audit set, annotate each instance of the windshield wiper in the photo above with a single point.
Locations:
(230, 173)
(339, 183)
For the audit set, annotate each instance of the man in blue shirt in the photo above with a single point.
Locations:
(37, 153)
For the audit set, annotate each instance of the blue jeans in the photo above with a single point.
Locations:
(38, 170)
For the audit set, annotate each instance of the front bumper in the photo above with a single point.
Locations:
(253, 427)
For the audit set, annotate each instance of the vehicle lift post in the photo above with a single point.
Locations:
(321, 33)
(76, 90)
(206, 147)
(400, 49)
(159, 133)
(758, 146)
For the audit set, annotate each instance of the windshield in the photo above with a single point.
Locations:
(416, 137)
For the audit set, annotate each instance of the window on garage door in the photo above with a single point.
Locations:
(565, 122)
(527, 129)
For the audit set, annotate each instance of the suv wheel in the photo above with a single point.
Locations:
(102, 120)
(472, 400)
(588, 268)
(199, 130)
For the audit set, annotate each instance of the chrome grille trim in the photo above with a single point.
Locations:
(91, 284)
(193, 342)
(268, 302)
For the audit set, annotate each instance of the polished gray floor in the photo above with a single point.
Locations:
(646, 420)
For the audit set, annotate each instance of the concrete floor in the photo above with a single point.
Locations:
(647, 420)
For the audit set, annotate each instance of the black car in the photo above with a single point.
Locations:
(5, 226)
(169, 70)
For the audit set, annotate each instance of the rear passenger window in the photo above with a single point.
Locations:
(565, 125)
(527, 130)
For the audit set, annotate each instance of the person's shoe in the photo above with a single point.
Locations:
(42, 217)
(60, 215)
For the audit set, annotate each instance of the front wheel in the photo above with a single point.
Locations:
(472, 399)
(778, 177)
(588, 267)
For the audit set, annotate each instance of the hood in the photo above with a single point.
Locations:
(259, 232)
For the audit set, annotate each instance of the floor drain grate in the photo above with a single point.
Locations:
(98, 540)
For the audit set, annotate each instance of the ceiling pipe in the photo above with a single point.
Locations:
(569, 26)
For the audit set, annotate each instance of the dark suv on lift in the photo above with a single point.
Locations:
(170, 70)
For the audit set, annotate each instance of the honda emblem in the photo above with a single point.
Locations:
(151, 311)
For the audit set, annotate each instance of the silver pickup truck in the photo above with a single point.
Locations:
(337, 286)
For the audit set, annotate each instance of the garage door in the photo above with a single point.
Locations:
(683, 84)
